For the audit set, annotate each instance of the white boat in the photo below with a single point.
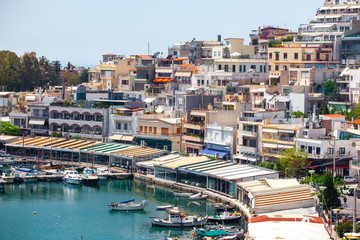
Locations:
(225, 217)
(129, 205)
(89, 177)
(162, 208)
(8, 179)
(25, 174)
(179, 194)
(178, 220)
(198, 196)
(102, 173)
(72, 177)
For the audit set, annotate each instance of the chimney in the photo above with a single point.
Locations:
(302, 120)
(219, 38)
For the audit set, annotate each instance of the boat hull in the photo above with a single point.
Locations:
(72, 181)
(182, 194)
(29, 179)
(161, 223)
(227, 220)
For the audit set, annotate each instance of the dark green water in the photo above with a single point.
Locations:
(72, 212)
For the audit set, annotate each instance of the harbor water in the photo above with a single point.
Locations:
(54, 210)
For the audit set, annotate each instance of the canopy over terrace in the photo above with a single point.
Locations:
(222, 175)
(105, 151)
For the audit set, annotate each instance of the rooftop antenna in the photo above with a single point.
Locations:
(148, 48)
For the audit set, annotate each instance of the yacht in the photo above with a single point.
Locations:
(72, 177)
(179, 220)
(25, 174)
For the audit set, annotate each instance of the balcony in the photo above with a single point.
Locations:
(121, 131)
(193, 138)
(248, 133)
(195, 126)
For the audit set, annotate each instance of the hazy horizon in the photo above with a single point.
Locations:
(81, 31)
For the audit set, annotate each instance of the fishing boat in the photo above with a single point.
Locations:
(223, 207)
(52, 166)
(128, 205)
(197, 197)
(180, 194)
(72, 177)
(102, 173)
(90, 178)
(225, 217)
(179, 220)
(219, 232)
(163, 208)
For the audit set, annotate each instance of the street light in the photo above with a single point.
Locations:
(322, 188)
(312, 171)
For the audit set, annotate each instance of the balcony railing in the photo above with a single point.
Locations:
(193, 138)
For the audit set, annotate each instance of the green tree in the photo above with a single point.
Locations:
(294, 162)
(10, 65)
(325, 109)
(84, 76)
(8, 129)
(330, 90)
(299, 114)
(331, 195)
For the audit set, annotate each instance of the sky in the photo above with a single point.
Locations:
(80, 31)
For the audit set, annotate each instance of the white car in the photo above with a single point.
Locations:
(348, 179)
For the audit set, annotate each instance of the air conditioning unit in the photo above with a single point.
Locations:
(146, 86)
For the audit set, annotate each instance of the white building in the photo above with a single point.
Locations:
(219, 139)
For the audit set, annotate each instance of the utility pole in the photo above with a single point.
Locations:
(334, 159)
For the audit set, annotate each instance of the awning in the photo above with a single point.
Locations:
(274, 76)
(270, 130)
(5, 119)
(149, 99)
(30, 98)
(37, 122)
(119, 137)
(159, 109)
(212, 152)
(162, 80)
(183, 74)
(285, 146)
(270, 145)
(286, 131)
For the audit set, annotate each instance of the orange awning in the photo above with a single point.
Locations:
(162, 80)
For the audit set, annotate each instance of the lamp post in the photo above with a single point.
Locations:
(322, 188)
(312, 171)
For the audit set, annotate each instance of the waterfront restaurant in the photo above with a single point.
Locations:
(66, 150)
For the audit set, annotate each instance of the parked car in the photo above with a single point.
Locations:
(349, 179)
(348, 191)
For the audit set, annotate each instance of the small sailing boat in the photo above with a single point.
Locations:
(128, 205)
(197, 197)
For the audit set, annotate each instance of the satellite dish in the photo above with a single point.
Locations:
(353, 144)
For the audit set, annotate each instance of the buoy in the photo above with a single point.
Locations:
(35, 212)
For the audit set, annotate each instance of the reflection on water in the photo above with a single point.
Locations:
(72, 211)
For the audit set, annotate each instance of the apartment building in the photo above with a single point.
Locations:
(39, 119)
(145, 72)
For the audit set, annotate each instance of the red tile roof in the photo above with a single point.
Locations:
(334, 115)
(187, 70)
(144, 56)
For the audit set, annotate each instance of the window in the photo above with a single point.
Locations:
(240, 68)
(296, 56)
(234, 68)
(302, 147)
(318, 151)
(253, 67)
(342, 151)
(215, 54)
(270, 55)
(276, 68)
(264, 69)
(141, 128)
(310, 149)
(285, 67)
(269, 67)
(285, 55)
(305, 74)
(125, 126)
(202, 82)
(330, 151)
(261, 68)
(220, 66)
(150, 129)
(305, 133)
(244, 68)
(226, 68)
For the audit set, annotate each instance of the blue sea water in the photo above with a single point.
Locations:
(73, 212)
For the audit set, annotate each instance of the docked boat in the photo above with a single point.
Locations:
(180, 194)
(8, 178)
(163, 208)
(197, 197)
(225, 217)
(25, 174)
(51, 166)
(6, 160)
(219, 232)
(223, 207)
(128, 205)
(102, 173)
(72, 177)
(179, 220)
(90, 178)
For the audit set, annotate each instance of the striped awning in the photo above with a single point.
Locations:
(162, 80)
(40, 122)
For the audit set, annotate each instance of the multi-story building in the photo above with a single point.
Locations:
(88, 122)
(239, 65)
(194, 131)
(145, 72)
(39, 119)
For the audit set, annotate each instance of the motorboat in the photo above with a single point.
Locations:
(179, 220)
(72, 177)
(6, 160)
(223, 207)
(8, 178)
(218, 232)
(163, 208)
(197, 197)
(225, 217)
(25, 174)
(102, 173)
(90, 178)
(128, 205)
(180, 194)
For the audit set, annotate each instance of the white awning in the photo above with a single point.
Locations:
(30, 98)
(328, 16)
(160, 109)
(270, 145)
(340, 7)
(285, 146)
(354, 7)
(149, 99)
(274, 76)
(270, 130)
(116, 137)
(183, 74)
(163, 70)
(5, 119)
(37, 122)
(286, 131)
(119, 137)
(322, 25)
